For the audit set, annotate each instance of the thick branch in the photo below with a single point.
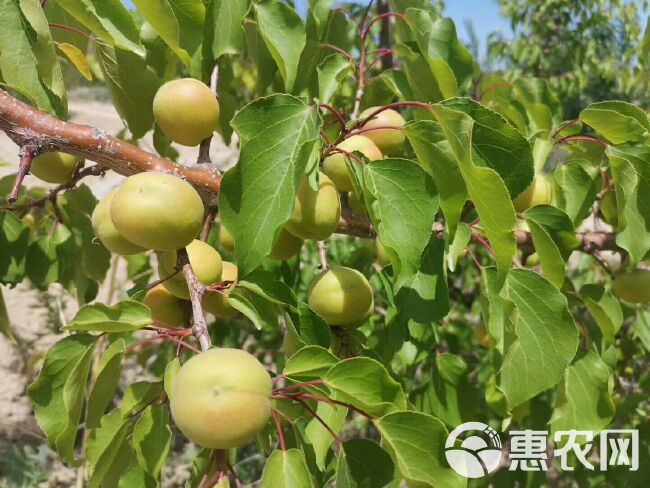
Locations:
(196, 289)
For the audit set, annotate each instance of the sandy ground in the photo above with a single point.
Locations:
(34, 315)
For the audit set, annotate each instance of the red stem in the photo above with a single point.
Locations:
(27, 155)
(421, 105)
(492, 87)
(336, 113)
(336, 49)
(72, 29)
(564, 126)
(299, 385)
(317, 398)
(322, 422)
(278, 427)
(383, 16)
(585, 138)
(347, 153)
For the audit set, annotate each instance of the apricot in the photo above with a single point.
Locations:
(387, 131)
(335, 167)
(286, 246)
(186, 111)
(342, 296)
(55, 166)
(206, 264)
(380, 252)
(226, 241)
(608, 208)
(633, 287)
(106, 231)
(157, 211)
(222, 398)
(217, 302)
(537, 193)
(315, 213)
(165, 308)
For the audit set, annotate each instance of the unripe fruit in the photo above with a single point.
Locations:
(186, 111)
(537, 193)
(157, 211)
(166, 308)
(226, 242)
(315, 213)
(55, 167)
(217, 302)
(388, 140)
(532, 260)
(608, 209)
(356, 205)
(106, 231)
(206, 265)
(221, 398)
(335, 166)
(342, 296)
(633, 287)
(286, 246)
(380, 251)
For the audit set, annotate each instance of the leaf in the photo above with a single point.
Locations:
(58, 392)
(171, 370)
(604, 308)
(284, 35)
(318, 436)
(126, 316)
(485, 187)
(583, 400)
(545, 338)
(331, 73)
(152, 437)
(461, 239)
(618, 121)
(160, 15)
(104, 444)
(5, 323)
(365, 384)
(579, 183)
(416, 444)
(14, 242)
(257, 309)
(277, 134)
(109, 20)
(139, 395)
(267, 286)
(131, 85)
(28, 62)
(136, 477)
(554, 239)
(313, 329)
(286, 468)
(224, 33)
(77, 58)
(435, 156)
(630, 168)
(107, 378)
(362, 463)
(309, 362)
(50, 258)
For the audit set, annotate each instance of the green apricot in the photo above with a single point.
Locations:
(342, 296)
(55, 167)
(157, 211)
(633, 287)
(389, 140)
(206, 264)
(186, 111)
(106, 231)
(286, 246)
(335, 167)
(608, 208)
(221, 398)
(216, 303)
(537, 193)
(315, 214)
(167, 309)
(226, 242)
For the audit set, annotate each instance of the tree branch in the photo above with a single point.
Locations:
(196, 289)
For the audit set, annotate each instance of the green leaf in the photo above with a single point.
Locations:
(266, 285)
(257, 309)
(50, 258)
(131, 85)
(152, 437)
(160, 15)
(284, 35)
(579, 183)
(28, 62)
(104, 444)
(544, 340)
(136, 477)
(309, 362)
(485, 187)
(58, 392)
(331, 73)
(77, 58)
(171, 370)
(416, 443)
(365, 384)
(604, 308)
(461, 239)
(139, 395)
(5, 324)
(318, 436)
(313, 329)
(362, 463)
(554, 239)
(583, 400)
(109, 20)
(126, 316)
(630, 168)
(435, 156)
(224, 33)
(618, 121)
(286, 468)
(107, 378)
(14, 242)
(277, 138)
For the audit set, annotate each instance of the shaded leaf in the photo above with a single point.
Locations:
(127, 315)
(286, 468)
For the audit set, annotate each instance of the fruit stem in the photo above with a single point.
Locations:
(278, 427)
(318, 417)
(298, 385)
(27, 155)
(322, 252)
(73, 30)
(583, 137)
(309, 396)
(196, 289)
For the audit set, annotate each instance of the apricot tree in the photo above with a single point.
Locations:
(405, 243)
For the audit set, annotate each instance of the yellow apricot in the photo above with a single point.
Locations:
(335, 166)
(167, 309)
(55, 166)
(389, 140)
(537, 193)
(286, 246)
(315, 213)
(226, 242)
(106, 231)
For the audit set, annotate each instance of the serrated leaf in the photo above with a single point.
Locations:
(331, 72)
(313, 328)
(138, 395)
(579, 183)
(618, 121)
(284, 35)
(416, 444)
(152, 437)
(264, 284)
(365, 384)
(77, 58)
(604, 308)
(309, 362)
(104, 444)
(286, 468)
(224, 33)
(58, 392)
(362, 463)
(277, 135)
(258, 310)
(107, 378)
(125, 316)
(318, 436)
(545, 337)
(136, 477)
(14, 242)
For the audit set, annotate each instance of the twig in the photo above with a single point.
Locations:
(584, 137)
(207, 224)
(318, 417)
(196, 289)
(297, 385)
(278, 427)
(322, 252)
(27, 155)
